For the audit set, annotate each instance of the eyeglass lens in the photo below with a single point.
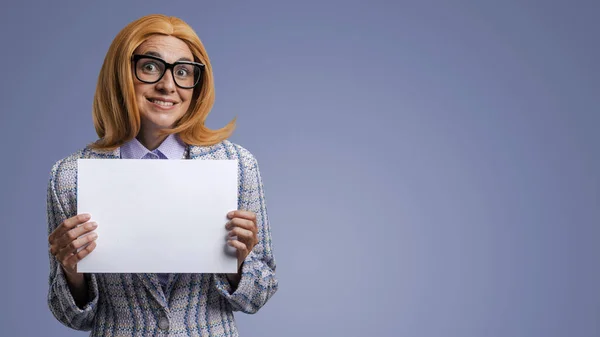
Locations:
(151, 70)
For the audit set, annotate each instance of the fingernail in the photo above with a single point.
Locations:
(94, 224)
(230, 214)
(94, 236)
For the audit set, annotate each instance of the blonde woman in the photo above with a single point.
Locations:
(154, 92)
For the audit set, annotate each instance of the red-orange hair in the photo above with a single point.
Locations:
(115, 112)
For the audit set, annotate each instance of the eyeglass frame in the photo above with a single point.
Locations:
(136, 57)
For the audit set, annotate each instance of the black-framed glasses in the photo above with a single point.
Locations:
(150, 69)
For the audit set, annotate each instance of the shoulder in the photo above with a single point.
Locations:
(66, 166)
(64, 171)
(62, 184)
(243, 155)
(224, 150)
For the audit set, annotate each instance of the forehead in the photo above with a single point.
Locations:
(169, 48)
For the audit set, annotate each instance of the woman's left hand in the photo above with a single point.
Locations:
(242, 233)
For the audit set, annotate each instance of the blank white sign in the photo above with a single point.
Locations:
(158, 216)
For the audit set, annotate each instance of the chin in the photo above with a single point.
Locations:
(161, 121)
(164, 124)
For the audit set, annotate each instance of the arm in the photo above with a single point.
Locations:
(79, 288)
(78, 314)
(252, 287)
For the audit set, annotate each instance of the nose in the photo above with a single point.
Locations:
(166, 83)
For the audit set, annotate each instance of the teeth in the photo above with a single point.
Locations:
(163, 103)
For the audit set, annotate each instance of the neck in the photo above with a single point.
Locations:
(150, 140)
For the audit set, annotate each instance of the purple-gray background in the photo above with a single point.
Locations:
(431, 167)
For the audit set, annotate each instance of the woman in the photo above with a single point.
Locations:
(154, 93)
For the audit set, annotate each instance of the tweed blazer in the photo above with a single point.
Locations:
(135, 304)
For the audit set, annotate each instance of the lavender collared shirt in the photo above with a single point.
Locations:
(171, 148)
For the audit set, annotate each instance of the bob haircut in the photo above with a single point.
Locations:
(115, 111)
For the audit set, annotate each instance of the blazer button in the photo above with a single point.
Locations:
(163, 323)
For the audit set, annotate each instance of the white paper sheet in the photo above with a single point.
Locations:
(158, 216)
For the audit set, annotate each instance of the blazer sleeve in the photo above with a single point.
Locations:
(258, 282)
(60, 300)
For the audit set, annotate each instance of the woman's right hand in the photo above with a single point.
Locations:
(66, 239)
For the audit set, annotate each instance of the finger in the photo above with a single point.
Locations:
(67, 225)
(87, 250)
(248, 215)
(75, 233)
(53, 250)
(70, 261)
(242, 223)
(72, 247)
(243, 235)
(239, 246)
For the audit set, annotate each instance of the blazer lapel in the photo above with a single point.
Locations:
(152, 284)
(89, 153)
(207, 152)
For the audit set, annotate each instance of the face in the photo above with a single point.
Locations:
(163, 103)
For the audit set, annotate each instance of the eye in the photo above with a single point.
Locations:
(182, 72)
(150, 67)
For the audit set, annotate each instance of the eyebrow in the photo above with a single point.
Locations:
(157, 54)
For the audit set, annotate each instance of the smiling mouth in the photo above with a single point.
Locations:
(161, 103)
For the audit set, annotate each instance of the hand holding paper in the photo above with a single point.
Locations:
(72, 240)
(242, 233)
